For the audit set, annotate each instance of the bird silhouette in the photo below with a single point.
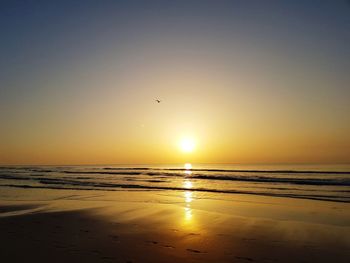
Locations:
(158, 101)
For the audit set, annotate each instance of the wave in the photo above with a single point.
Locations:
(111, 169)
(230, 178)
(235, 170)
(307, 184)
(300, 181)
(109, 187)
(100, 172)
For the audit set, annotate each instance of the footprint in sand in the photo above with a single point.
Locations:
(195, 251)
(152, 242)
(168, 246)
(193, 234)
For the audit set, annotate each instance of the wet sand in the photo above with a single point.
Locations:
(146, 226)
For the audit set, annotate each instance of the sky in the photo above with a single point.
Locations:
(241, 81)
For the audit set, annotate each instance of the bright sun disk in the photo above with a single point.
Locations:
(187, 145)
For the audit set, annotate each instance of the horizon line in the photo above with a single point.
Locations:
(179, 163)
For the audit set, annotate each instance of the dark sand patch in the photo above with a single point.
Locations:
(13, 208)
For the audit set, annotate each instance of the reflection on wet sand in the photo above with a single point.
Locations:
(188, 210)
(188, 196)
(145, 226)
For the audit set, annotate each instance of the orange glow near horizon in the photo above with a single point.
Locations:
(233, 87)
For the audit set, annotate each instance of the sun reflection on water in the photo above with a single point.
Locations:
(188, 196)
(187, 184)
(187, 172)
(188, 166)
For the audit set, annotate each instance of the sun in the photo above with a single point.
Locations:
(187, 145)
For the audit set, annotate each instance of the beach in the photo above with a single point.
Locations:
(175, 131)
(62, 225)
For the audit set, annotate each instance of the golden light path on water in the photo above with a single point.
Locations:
(188, 195)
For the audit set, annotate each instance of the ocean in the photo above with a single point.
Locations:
(316, 182)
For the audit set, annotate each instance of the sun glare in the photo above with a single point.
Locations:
(187, 145)
(188, 166)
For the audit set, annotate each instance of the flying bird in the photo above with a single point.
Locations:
(158, 101)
